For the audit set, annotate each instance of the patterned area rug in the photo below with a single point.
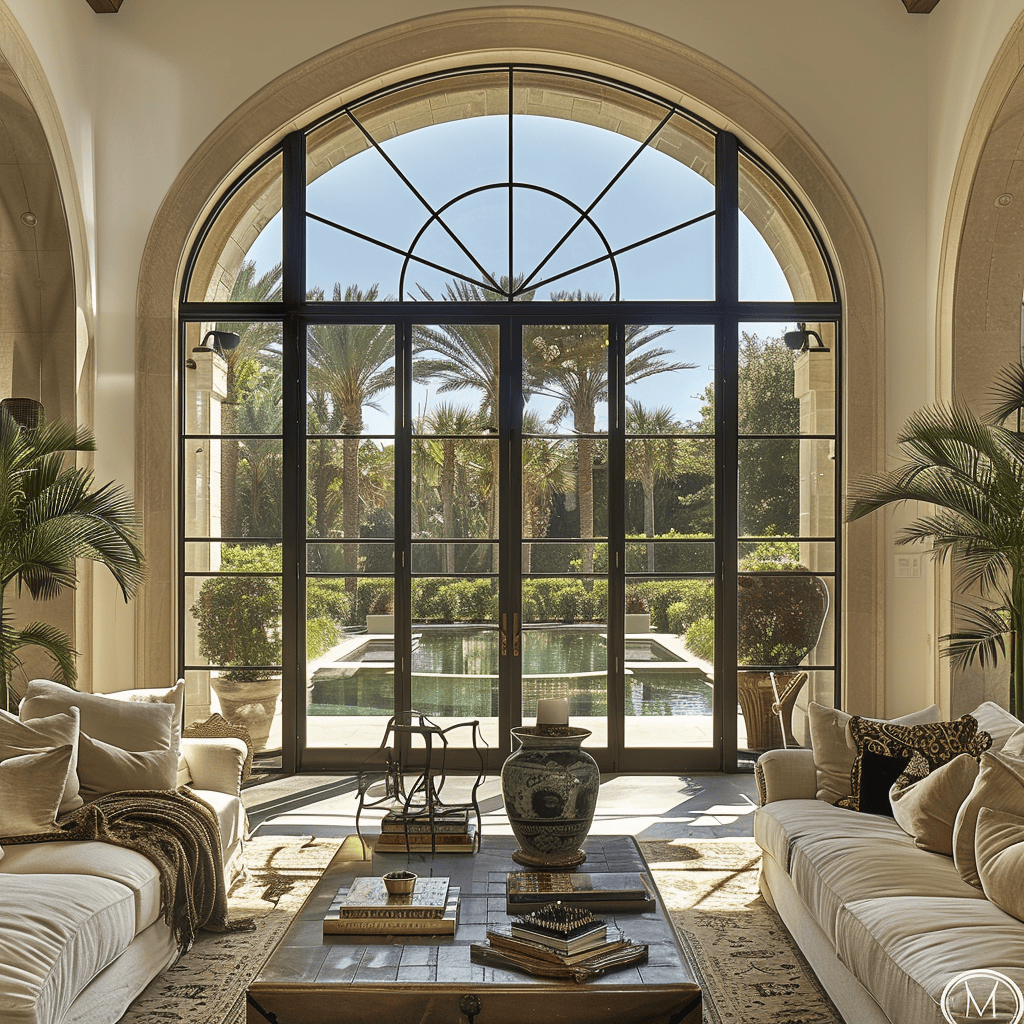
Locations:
(207, 985)
(749, 968)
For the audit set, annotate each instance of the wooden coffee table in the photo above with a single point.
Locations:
(348, 979)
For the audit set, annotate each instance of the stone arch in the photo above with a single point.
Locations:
(981, 281)
(575, 41)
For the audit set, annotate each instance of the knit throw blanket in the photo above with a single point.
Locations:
(178, 832)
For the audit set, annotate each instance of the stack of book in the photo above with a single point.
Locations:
(366, 908)
(558, 940)
(616, 892)
(442, 832)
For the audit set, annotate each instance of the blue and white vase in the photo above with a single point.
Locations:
(550, 789)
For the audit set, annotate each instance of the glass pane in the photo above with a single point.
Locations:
(254, 704)
(551, 557)
(819, 556)
(779, 257)
(569, 661)
(350, 385)
(678, 396)
(669, 556)
(780, 619)
(240, 259)
(669, 689)
(370, 558)
(783, 390)
(452, 480)
(565, 376)
(350, 489)
(455, 677)
(459, 363)
(232, 378)
(453, 558)
(774, 706)
(786, 488)
(679, 267)
(208, 557)
(580, 510)
(444, 600)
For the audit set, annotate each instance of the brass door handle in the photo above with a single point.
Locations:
(504, 634)
(515, 635)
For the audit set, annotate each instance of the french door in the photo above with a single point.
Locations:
(511, 474)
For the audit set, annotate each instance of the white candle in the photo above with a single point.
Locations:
(553, 711)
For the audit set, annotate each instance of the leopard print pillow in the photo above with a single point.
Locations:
(889, 754)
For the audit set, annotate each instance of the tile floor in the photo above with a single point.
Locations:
(647, 806)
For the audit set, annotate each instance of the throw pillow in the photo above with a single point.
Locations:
(18, 737)
(999, 847)
(924, 747)
(175, 696)
(833, 754)
(31, 787)
(997, 722)
(1000, 785)
(926, 809)
(105, 768)
(125, 724)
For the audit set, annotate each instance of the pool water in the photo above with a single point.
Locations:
(455, 674)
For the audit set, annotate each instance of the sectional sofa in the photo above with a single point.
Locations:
(81, 929)
(887, 922)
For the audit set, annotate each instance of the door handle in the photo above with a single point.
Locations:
(515, 635)
(504, 634)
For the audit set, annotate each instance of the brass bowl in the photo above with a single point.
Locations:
(399, 883)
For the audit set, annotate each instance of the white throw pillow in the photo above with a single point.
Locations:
(926, 809)
(834, 752)
(27, 737)
(999, 724)
(1000, 785)
(129, 725)
(999, 847)
(175, 696)
(31, 787)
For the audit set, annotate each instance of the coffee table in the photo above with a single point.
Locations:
(311, 978)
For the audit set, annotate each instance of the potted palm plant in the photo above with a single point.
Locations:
(968, 471)
(51, 514)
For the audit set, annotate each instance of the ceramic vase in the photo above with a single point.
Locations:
(550, 788)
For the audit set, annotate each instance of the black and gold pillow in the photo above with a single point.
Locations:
(889, 754)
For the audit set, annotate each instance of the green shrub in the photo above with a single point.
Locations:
(700, 638)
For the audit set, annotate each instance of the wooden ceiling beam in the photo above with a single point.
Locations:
(920, 6)
(105, 6)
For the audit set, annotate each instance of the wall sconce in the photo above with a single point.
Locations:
(223, 341)
(800, 340)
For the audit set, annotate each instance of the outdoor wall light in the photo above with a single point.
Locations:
(223, 341)
(800, 340)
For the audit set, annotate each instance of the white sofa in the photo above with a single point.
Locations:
(81, 932)
(884, 924)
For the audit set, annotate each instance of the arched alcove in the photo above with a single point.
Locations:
(554, 38)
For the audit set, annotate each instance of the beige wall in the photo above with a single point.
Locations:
(884, 94)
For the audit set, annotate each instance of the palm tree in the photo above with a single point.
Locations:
(255, 339)
(569, 362)
(651, 458)
(51, 515)
(353, 364)
(970, 470)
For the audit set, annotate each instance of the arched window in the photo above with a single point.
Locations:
(505, 383)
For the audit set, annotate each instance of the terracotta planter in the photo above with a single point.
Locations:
(251, 703)
(550, 788)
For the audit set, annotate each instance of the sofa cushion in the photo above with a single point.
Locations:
(905, 949)
(1000, 785)
(999, 852)
(833, 755)
(127, 724)
(56, 939)
(31, 789)
(97, 859)
(27, 737)
(926, 809)
(925, 748)
(831, 871)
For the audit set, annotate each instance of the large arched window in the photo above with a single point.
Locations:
(501, 384)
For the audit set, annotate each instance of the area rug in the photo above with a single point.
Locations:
(750, 970)
(207, 985)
